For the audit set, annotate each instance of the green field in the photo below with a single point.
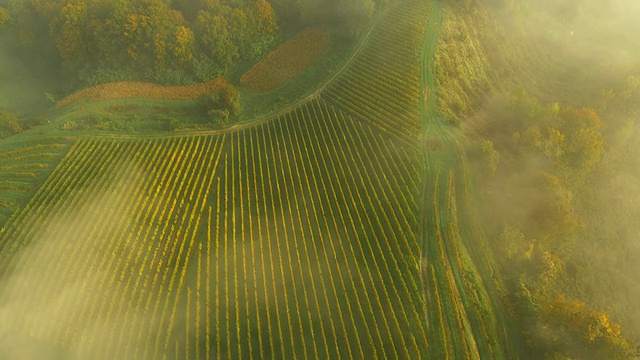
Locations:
(199, 241)
(341, 228)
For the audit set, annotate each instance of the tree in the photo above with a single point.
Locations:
(266, 22)
(555, 216)
(230, 100)
(4, 16)
(69, 29)
(585, 332)
(585, 143)
(490, 156)
(215, 39)
(185, 44)
(9, 124)
(550, 142)
(574, 119)
(222, 105)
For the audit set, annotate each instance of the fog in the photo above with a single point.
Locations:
(560, 201)
(61, 296)
(600, 35)
(23, 86)
(580, 222)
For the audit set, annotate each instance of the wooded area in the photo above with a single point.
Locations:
(548, 92)
(163, 41)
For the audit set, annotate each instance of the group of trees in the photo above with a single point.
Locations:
(161, 40)
(560, 185)
(537, 155)
(222, 105)
(165, 41)
(310, 12)
(540, 160)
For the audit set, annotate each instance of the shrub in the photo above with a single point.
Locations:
(230, 100)
(219, 118)
(221, 105)
(69, 125)
(9, 124)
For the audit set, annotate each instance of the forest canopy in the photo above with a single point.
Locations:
(164, 41)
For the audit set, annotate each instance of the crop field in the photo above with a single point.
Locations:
(287, 240)
(141, 90)
(382, 85)
(107, 237)
(22, 169)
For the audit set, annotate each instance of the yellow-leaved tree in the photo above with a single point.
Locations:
(9, 124)
(4, 16)
(586, 332)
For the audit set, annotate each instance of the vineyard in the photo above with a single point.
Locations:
(330, 231)
(382, 85)
(464, 314)
(284, 239)
(23, 167)
(110, 231)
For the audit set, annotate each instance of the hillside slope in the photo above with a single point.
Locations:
(344, 227)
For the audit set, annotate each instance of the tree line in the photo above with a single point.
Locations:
(165, 41)
(554, 127)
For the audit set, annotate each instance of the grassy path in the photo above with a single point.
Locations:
(464, 313)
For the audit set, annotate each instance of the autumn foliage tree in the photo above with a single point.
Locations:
(9, 124)
(582, 332)
(226, 33)
(104, 41)
(547, 153)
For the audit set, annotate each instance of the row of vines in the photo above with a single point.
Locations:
(462, 320)
(292, 239)
(316, 253)
(96, 263)
(382, 85)
(23, 167)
